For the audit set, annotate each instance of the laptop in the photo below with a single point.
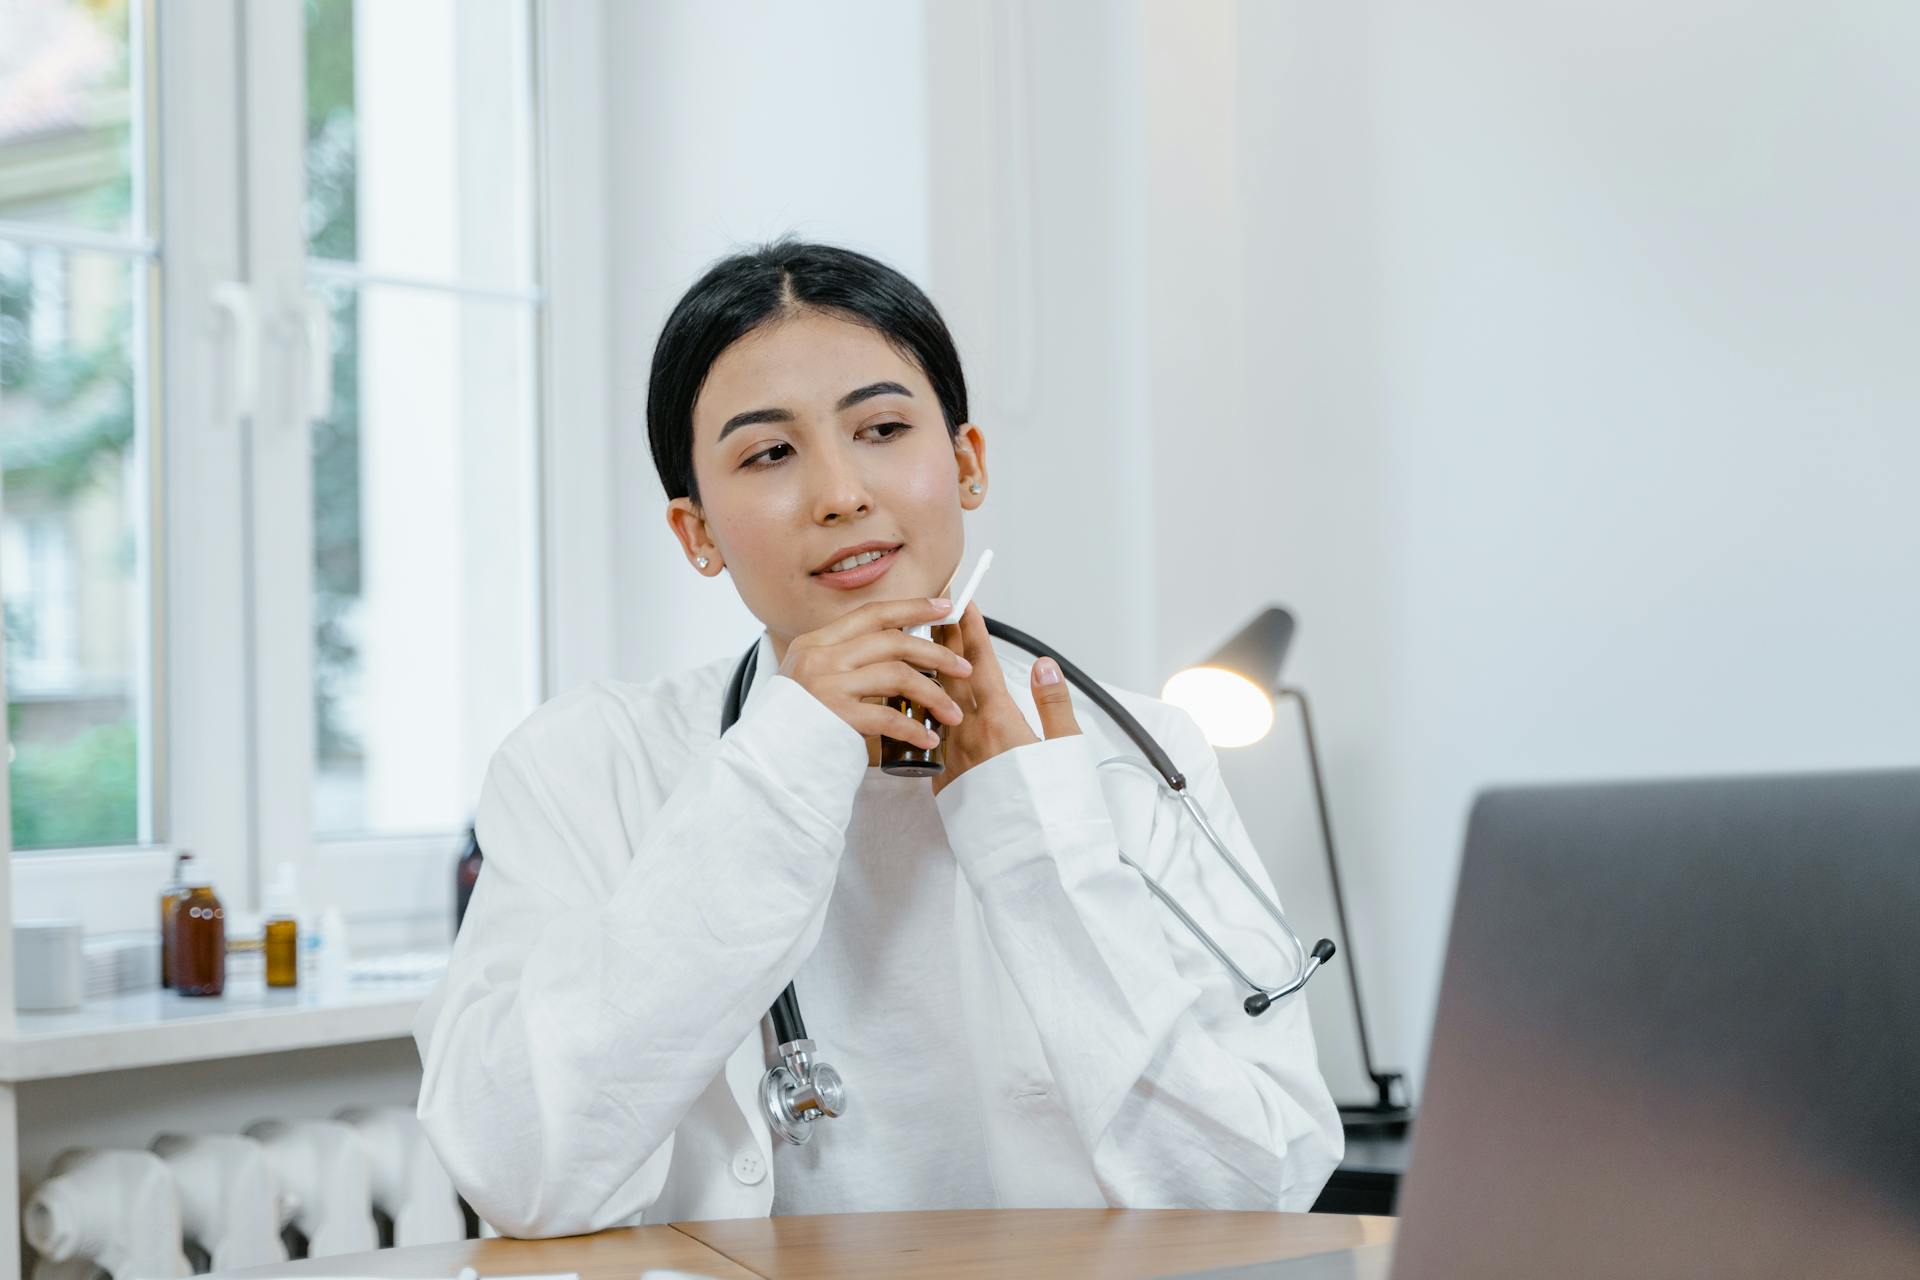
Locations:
(1678, 1035)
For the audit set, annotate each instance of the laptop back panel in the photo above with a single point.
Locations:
(1678, 1034)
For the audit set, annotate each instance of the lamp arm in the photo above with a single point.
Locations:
(1382, 1082)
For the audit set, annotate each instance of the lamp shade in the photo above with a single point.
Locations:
(1230, 694)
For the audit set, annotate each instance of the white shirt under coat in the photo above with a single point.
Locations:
(1020, 1024)
(877, 996)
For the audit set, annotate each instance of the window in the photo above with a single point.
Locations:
(273, 343)
(420, 245)
(76, 256)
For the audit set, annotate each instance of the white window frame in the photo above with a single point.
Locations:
(193, 728)
(232, 766)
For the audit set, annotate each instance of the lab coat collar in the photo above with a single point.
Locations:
(765, 667)
(748, 1063)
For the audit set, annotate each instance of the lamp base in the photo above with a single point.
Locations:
(1381, 1118)
(1368, 1120)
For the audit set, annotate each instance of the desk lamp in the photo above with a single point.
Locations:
(1232, 694)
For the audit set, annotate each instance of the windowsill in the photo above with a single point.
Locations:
(155, 1027)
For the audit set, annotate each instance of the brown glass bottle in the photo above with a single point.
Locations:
(199, 928)
(175, 890)
(466, 874)
(906, 759)
(283, 952)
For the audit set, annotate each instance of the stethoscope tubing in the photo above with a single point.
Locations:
(790, 1027)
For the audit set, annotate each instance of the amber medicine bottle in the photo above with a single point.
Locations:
(175, 890)
(198, 924)
(906, 759)
(281, 937)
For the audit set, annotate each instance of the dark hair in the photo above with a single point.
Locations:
(740, 293)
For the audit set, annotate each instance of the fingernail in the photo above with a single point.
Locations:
(941, 602)
(966, 668)
(1049, 673)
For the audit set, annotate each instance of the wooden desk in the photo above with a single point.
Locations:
(1118, 1243)
(623, 1253)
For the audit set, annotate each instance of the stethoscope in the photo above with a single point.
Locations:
(802, 1089)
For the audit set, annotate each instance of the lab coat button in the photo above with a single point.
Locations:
(749, 1167)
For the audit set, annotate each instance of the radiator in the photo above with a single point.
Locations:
(199, 1202)
(409, 1186)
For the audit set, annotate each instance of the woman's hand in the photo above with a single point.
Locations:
(864, 653)
(993, 721)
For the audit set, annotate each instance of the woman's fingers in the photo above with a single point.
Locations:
(917, 651)
(960, 686)
(978, 649)
(869, 719)
(875, 615)
(899, 680)
(1053, 699)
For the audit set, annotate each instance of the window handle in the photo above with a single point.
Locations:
(234, 300)
(319, 335)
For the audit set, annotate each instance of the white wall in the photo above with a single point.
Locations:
(1039, 270)
(1593, 402)
(730, 123)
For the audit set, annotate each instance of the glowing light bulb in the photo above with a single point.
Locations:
(1230, 709)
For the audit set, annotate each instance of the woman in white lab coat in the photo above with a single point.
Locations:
(1018, 1022)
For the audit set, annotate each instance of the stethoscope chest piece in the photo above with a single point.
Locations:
(800, 1091)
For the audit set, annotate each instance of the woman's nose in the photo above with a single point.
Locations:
(841, 491)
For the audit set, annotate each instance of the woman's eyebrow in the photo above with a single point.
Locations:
(750, 417)
(847, 401)
(871, 390)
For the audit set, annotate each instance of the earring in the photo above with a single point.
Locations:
(701, 561)
(974, 488)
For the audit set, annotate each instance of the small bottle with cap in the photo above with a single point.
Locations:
(906, 759)
(282, 932)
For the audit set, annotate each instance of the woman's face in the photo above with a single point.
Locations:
(812, 434)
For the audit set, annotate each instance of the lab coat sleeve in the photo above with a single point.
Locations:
(613, 957)
(1182, 1100)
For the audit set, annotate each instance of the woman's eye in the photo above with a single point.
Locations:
(766, 458)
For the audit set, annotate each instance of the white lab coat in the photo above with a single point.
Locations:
(593, 1056)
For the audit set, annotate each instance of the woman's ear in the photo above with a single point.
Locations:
(970, 462)
(690, 527)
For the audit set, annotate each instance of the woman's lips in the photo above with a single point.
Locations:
(852, 579)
